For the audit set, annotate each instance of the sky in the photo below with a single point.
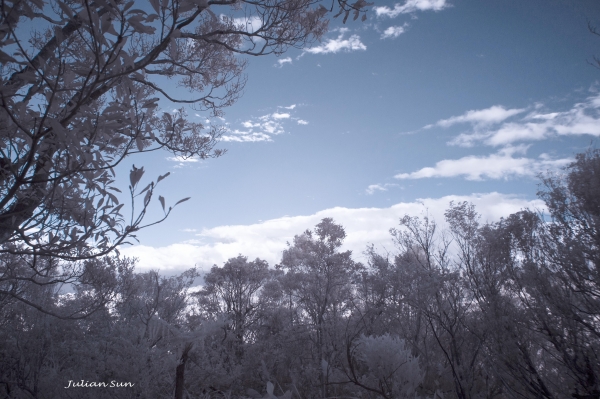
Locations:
(426, 102)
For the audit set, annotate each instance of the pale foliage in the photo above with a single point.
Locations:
(80, 86)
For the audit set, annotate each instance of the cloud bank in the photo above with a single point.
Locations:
(501, 165)
(268, 239)
(502, 127)
(491, 128)
(482, 117)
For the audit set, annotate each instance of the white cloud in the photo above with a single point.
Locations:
(342, 29)
(268, 239)
(582, 118)
(281, 62)
(393, 32)
(183, 159)
(487, 116)
(501, 165)
(272, 127)
(249, 124)
(261, 128)
(352, 43)
(246, 137)
(411, 6)
(373, 188)
(302, 122)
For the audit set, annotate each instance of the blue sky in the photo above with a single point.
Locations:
(425, 102)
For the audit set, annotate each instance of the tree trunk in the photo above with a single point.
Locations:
(179, 372)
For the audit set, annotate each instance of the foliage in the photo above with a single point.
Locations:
(82, 91)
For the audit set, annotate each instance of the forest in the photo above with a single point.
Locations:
(494, 310)
(498, 310)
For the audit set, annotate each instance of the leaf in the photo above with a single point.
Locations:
(139, 143)
(117, 209)
(346, 16)
(147, 198)
(65, 8)
(113, 198)
(182, 200)
(135, 175)
(148, 187)
(138, 11)
(139, 27)
(155, 5)
(162, 201)
(4, 58)
(128, 6)
(213, 16)
(162, 177)
(173, 50)
(185, 6)
(38, 3)
(152, 103)
(107, 26)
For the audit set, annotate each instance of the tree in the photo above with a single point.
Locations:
(138, 336)
(513, 354)
(232, 290)
(82, 92)
(318, 278)
(95, 281)
(442, 307)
